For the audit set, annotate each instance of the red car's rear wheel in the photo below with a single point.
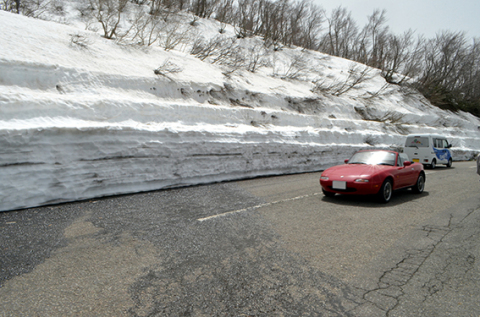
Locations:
(420, 185)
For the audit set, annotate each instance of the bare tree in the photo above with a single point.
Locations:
(471, 77)
(225, 12)
(374, 37)
(167, 67)
(397, 55)
(451, 74)
(247, 19)
(204, 8)
(305, 24)
(356, 76)
(255, 58)
(444, 57)
(227, 51)
(144, 28)
(172, 35)
(109, 14)
(341, 35)
(203, 49)
(11, 6)
(30, 8)
(413, 63)
(294, 68)
(157, 6)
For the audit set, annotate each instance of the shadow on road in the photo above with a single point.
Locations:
(371, 201)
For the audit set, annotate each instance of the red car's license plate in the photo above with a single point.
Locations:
(339, 185)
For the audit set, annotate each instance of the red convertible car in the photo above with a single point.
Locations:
(373, 172)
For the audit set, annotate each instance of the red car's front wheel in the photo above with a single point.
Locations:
(385, 193)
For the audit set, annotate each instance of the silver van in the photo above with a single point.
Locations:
(428, 149)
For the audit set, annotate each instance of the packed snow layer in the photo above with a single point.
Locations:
(78, 123)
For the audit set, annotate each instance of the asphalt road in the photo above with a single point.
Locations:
(263, 247)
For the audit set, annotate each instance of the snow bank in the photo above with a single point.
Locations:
(78, 123)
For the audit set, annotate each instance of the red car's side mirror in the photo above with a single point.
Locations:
(407, 163)
(346, 161)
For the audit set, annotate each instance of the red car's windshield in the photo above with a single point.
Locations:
(373, 157)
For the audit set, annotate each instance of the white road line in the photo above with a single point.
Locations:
(255, 207)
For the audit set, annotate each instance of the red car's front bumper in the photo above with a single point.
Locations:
(352, 188)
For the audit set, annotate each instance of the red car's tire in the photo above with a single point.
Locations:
(386, 191)
(420, 184)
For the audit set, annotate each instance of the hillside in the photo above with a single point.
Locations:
(82, 116)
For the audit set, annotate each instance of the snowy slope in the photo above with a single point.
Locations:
(80, 122)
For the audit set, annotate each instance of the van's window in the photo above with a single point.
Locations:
(438, 143)
(441, 143)
(416, 142)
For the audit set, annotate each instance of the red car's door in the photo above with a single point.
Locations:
(404, 175)
(412, 175)
(407, 174)
(400, 176)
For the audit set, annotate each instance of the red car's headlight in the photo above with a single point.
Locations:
(362, 180)
(324, 178)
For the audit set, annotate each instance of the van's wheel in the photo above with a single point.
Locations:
(420, 185)
(449, 164)
(385, 193)
(434, 164)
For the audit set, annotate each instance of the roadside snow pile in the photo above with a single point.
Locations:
(84, 121)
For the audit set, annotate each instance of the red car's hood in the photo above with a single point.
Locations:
(355, 170)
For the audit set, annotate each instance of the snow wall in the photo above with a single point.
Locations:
(77, 124)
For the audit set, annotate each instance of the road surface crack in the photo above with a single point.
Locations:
(391, 284)
(387, 295)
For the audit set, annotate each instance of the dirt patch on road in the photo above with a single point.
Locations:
(89, 277)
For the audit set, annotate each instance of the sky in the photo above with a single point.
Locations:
(425, 17)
